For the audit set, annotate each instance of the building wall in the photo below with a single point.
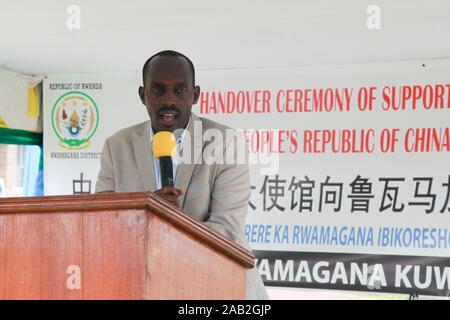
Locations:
(8, 169)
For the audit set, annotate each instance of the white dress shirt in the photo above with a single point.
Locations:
(175, 160)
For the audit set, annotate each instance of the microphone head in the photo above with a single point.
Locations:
(164, 144)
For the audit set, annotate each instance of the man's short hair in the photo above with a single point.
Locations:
(169, 53)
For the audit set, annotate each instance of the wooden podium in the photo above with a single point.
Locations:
(114, 246)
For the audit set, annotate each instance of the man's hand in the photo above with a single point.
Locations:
(170, 194)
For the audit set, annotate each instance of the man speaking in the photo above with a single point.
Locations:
(213, 192)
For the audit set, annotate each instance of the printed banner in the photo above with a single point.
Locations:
(349, 165)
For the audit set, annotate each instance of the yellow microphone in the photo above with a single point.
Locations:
(164, 148)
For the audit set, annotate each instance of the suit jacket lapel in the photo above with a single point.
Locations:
(144, 157)
(192, 143)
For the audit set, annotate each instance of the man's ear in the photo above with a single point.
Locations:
(142, 95)
(196, 94)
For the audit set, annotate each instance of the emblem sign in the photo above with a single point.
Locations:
(75, 119)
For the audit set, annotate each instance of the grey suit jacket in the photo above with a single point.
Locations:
(216, 191)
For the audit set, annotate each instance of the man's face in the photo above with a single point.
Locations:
(169, 93)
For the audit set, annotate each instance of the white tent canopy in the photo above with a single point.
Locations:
(117, 36)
